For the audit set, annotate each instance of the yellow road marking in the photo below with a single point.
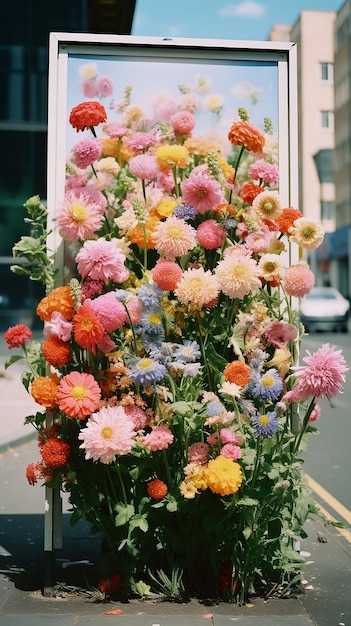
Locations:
(334, 504)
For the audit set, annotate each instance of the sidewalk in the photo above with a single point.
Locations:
(324, 598)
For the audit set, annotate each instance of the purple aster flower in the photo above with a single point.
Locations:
(146, 371)
(163, 353)
(185, 212)
(188, 352)
(268, 386)
(149, 295)
(265, 425)
(214, 408)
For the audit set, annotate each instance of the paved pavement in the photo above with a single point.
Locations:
(324, 597)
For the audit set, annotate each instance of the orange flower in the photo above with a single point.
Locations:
(87, 328)
(286, 219)
(55, 452)
(137, 234)
(58, 299)
(249, 191)
(157, 489)
(78, 395)
(243, 133)
(44, 391)
(224, 209)
(37, 471)
(56, 352)
(117, 149)
(238, 373)
(87, 115)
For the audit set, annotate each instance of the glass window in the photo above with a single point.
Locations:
(327, 210)
(327, 72)
(327, 119)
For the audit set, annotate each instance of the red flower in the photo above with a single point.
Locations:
(55, 452)
(157, 489)
(110, 584)
(242, 133)
(87, 115)
(56, 352)
(16, 336)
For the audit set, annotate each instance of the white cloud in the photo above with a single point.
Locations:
(247, 8)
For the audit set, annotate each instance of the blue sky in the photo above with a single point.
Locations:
(220, 19)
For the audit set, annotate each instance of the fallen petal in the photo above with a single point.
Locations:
(114, 612)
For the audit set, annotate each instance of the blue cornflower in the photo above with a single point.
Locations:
(147, 371)
(188, 352)
(151, 324)
(266, 424)
(149, 295)
(185, 211)
(214, 408)
(268, 387)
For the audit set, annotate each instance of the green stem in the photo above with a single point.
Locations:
(304, 425)
(202, 347)
(121, 483)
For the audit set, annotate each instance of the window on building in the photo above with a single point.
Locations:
(327, 72)
(327, 210)
(327, 119)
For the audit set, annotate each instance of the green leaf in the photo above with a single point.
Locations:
(13, 359)
(182, 407)
(246, 501)
(139, 521)
(124, 513)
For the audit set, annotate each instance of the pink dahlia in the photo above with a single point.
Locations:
(238, 275)
(298, 280)
(202, 192)
(158, 439)
(231, 451)
(111, 312)
(78, 217)
(183, 122)
(104, 86)
(101, 260)
(259, 241)
(227, 436)
(93, 195)
(17, 335)
(174, 237)
(263, 171)
(198, 453)
(78, 395)
(109, 433)
(139, 141)
(137, 415)
(210, 234)
(144, 166)
(167, 274)
(86, 151)
(280, 333)
(116, 130)
(323, 374)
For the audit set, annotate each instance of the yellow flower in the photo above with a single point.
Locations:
(165, 207)
(282, 359)
(174, 155)
(223, 476)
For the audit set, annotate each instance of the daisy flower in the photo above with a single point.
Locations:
(188, 352)
(307, 233)
(323, 374)
(202, 192)
(197, 287)
(108, 433)
(270, 267)
(174, 237)
(267, 387)
(78, 218)
(78, 395)
(147, 371)
(265, 425)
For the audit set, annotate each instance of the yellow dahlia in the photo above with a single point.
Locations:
(223, 476)
(170, 156)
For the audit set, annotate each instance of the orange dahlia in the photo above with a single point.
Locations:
(44, 391)
(238, 373)
(243, 133)
(87, 328)
(287, 218)
(58, 299)
(137, 234)
(157, 489)
(87, 115)
(249, 191)
(56, 352)
(55, 452)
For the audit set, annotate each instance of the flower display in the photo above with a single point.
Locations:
(169, 359)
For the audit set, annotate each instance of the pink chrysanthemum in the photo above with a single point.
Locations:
(17, 335)
(139, 418)
(263, 171)
(238, 275)
(86, 151)
(183, 122)
(174, 237)
(227, 436)
(323, 374)
(116, 130)
(298, 280)
(139, 141)
(210, 234)
(108, 433)
(259, 240)
(202, 192)
(78, 217)
(112, 313)
(231, 451)
(101, 260)
(280, 333)
(78, 395)
(93, 195)
(197, 287)
(158, 439)
(91, 288)
(144, 166)
(167, 274)
(198, 453)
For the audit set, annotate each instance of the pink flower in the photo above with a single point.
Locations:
(183, 122)
(231, 451)
(76, 181)
(17, 335)
(298, 280)
(210, 234)
(316, 413)
(264, 171)
(89, 89)
(135, 308)
(198, 453)
(78, 217)
(202, 192)
(173, 237)
(167, 274)
(322, 375)
(78, 395)
(159, 438)
(116, 130)
(104, 86)
(139, 141)
(101, 260)
(227, 436)
(144, 166)
(112, 313)
(58, 326)
(137, 415)
(108, 434)
(93, 195)
(86, 151)
(91, 288)
(106, 344)
(238, 274)
(259, 240)
(280, 333)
